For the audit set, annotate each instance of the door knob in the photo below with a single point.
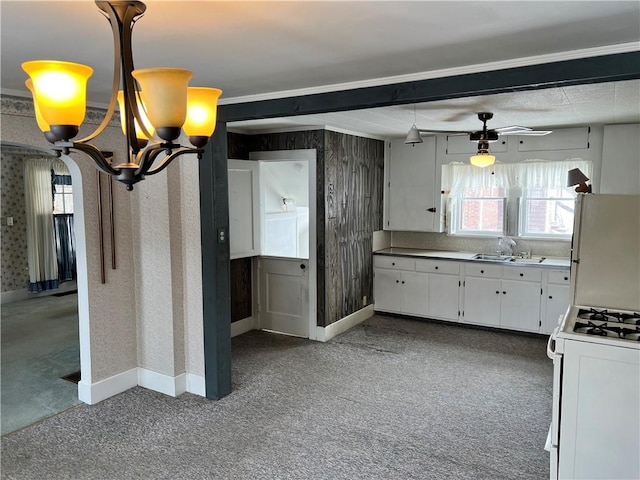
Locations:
(432, 209)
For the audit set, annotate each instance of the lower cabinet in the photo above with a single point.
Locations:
(506, 297)
(525, 298)
(557, 299)
(414, 288)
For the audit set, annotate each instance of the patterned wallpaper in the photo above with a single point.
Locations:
(15, 267)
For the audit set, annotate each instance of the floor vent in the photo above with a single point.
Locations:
(72, 377)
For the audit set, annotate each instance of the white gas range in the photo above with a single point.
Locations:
(595, 425)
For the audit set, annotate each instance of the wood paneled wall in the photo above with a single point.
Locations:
(349, 186)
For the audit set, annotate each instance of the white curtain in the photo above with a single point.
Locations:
(41, 244)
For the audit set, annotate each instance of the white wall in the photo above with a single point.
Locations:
(621, 159)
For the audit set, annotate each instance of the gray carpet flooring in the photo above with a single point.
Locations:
(40, 344)
(390, 399)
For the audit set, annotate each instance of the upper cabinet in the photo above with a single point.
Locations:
(564, 139)
(412, 189)
(244, 220)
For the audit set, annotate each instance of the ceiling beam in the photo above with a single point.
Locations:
(605, 68)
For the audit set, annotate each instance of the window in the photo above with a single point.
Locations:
(62, 194)
(528, 199)
(481, 211)
(546, 212)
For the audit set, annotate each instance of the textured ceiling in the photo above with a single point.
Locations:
(273, 48)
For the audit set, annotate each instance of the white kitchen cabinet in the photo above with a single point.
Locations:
(506, 297)
(520, 305)
(386, 292)
(412, 195)
(244, 203)
(482, 300)
(443, 288)
(419, 287)
(400, 291)
(556, 299)
(562, 139)
(413, 292)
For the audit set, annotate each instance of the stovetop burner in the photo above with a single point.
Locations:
(605, 323)
(632, 318)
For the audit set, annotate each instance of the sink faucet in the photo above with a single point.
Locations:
(505, 245)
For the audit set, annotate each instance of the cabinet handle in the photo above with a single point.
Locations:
(403, 282)
(566, 278)
(550, 297)
(522, 274)
(393, 263)
(397, 281)
(432, 209)
(436, 268)
(504, 293)
(498, 292)
(481, 271)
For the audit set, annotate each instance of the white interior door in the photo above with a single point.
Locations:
(284, 296)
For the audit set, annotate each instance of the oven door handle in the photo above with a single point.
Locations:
(551, 344)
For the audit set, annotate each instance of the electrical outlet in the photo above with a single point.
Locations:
(10, 221)
(364, 300)
(222, 235)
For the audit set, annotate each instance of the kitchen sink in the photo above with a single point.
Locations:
(493, 257)
(527, 260)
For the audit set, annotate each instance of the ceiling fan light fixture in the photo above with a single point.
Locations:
(483, 158)
(413, 136)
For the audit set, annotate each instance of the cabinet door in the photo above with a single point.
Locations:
(482, 300)
(520, 305)
(443, 296)
(414, 287)
(244, 218)
(557, 302)
(411, 189)
(387, 294)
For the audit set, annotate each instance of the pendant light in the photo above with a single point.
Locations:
(483, 158)
(156, 104)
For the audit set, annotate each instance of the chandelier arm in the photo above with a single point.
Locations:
(169, 158)
(97, 156)
(148, 157)
(112, 17)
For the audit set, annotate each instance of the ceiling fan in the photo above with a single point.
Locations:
(483, 137)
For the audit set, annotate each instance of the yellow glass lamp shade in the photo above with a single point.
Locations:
(123, 121)
(164, 94)
(60, 90)
(44, 126)
(482, 160)
(202, 111)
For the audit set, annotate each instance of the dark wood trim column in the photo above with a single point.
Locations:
(214, 220)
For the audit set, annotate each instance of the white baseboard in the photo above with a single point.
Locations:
(93, 393)
(196, 385)
(325, 334)
(162, 383)
(241, 326)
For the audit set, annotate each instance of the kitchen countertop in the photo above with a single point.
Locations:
(548, 262)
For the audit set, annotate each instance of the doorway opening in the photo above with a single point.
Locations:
(44, 334)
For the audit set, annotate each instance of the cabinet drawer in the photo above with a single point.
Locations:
(523, 273)
(398, 263)
(489, 271)
(438, 266)
(559, 276)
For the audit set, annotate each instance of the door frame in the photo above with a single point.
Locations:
(309, 156)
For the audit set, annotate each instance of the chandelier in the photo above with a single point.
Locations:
(156, 104)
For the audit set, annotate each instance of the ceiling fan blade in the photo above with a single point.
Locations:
(519, 130)
(530, 133)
